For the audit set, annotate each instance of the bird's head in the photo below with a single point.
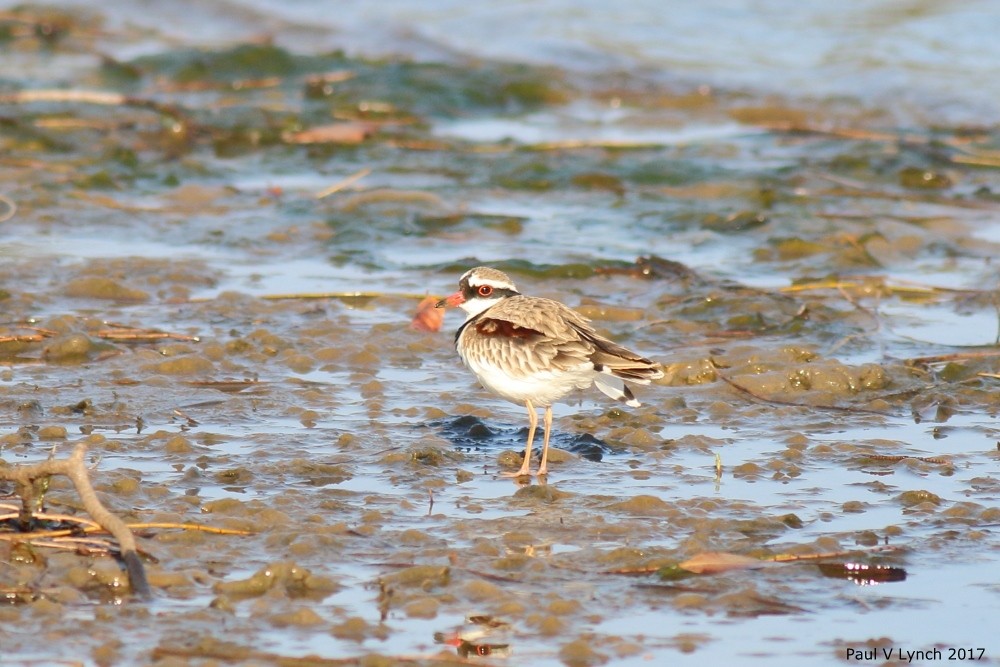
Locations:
(478, 289)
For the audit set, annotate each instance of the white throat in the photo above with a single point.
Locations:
(475, 306)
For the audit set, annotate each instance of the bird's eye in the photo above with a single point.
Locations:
(485, 290)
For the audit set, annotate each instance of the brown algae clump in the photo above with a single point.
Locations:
(291, 579)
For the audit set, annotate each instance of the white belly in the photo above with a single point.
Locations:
(542, 388)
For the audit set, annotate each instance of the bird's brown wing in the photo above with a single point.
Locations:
(622, 362)
(527, 335)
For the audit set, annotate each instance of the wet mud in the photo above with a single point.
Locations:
(219, 307)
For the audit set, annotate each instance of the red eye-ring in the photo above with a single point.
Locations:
(485, 290)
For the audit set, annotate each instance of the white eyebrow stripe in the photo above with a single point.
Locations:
(498, 284)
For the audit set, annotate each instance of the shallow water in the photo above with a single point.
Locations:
(923, 58)
(826, 252)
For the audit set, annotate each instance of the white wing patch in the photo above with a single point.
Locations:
(607, 384)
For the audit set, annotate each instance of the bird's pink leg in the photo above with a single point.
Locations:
(532, 425)
(542, 469)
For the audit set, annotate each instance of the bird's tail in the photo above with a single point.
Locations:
(616, 364)
(616, 389)
(611, 380)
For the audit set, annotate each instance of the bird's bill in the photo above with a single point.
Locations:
(452, 301)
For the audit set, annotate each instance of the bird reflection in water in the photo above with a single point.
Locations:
(469, 640)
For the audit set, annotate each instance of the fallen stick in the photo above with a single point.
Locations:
(98, 97)
(24, 477)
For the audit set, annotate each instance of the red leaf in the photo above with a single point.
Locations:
(716, 562)
(428, 318)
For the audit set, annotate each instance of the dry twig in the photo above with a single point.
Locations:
(24, 477)
(954, 356)
(97, 97)
(342, 295)
(210, 649)
(795, 558)
(135, 335)
(896, 458)
(340, 185)
(39, 335)
(87, 526)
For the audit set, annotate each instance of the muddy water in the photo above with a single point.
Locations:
(819, 282)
